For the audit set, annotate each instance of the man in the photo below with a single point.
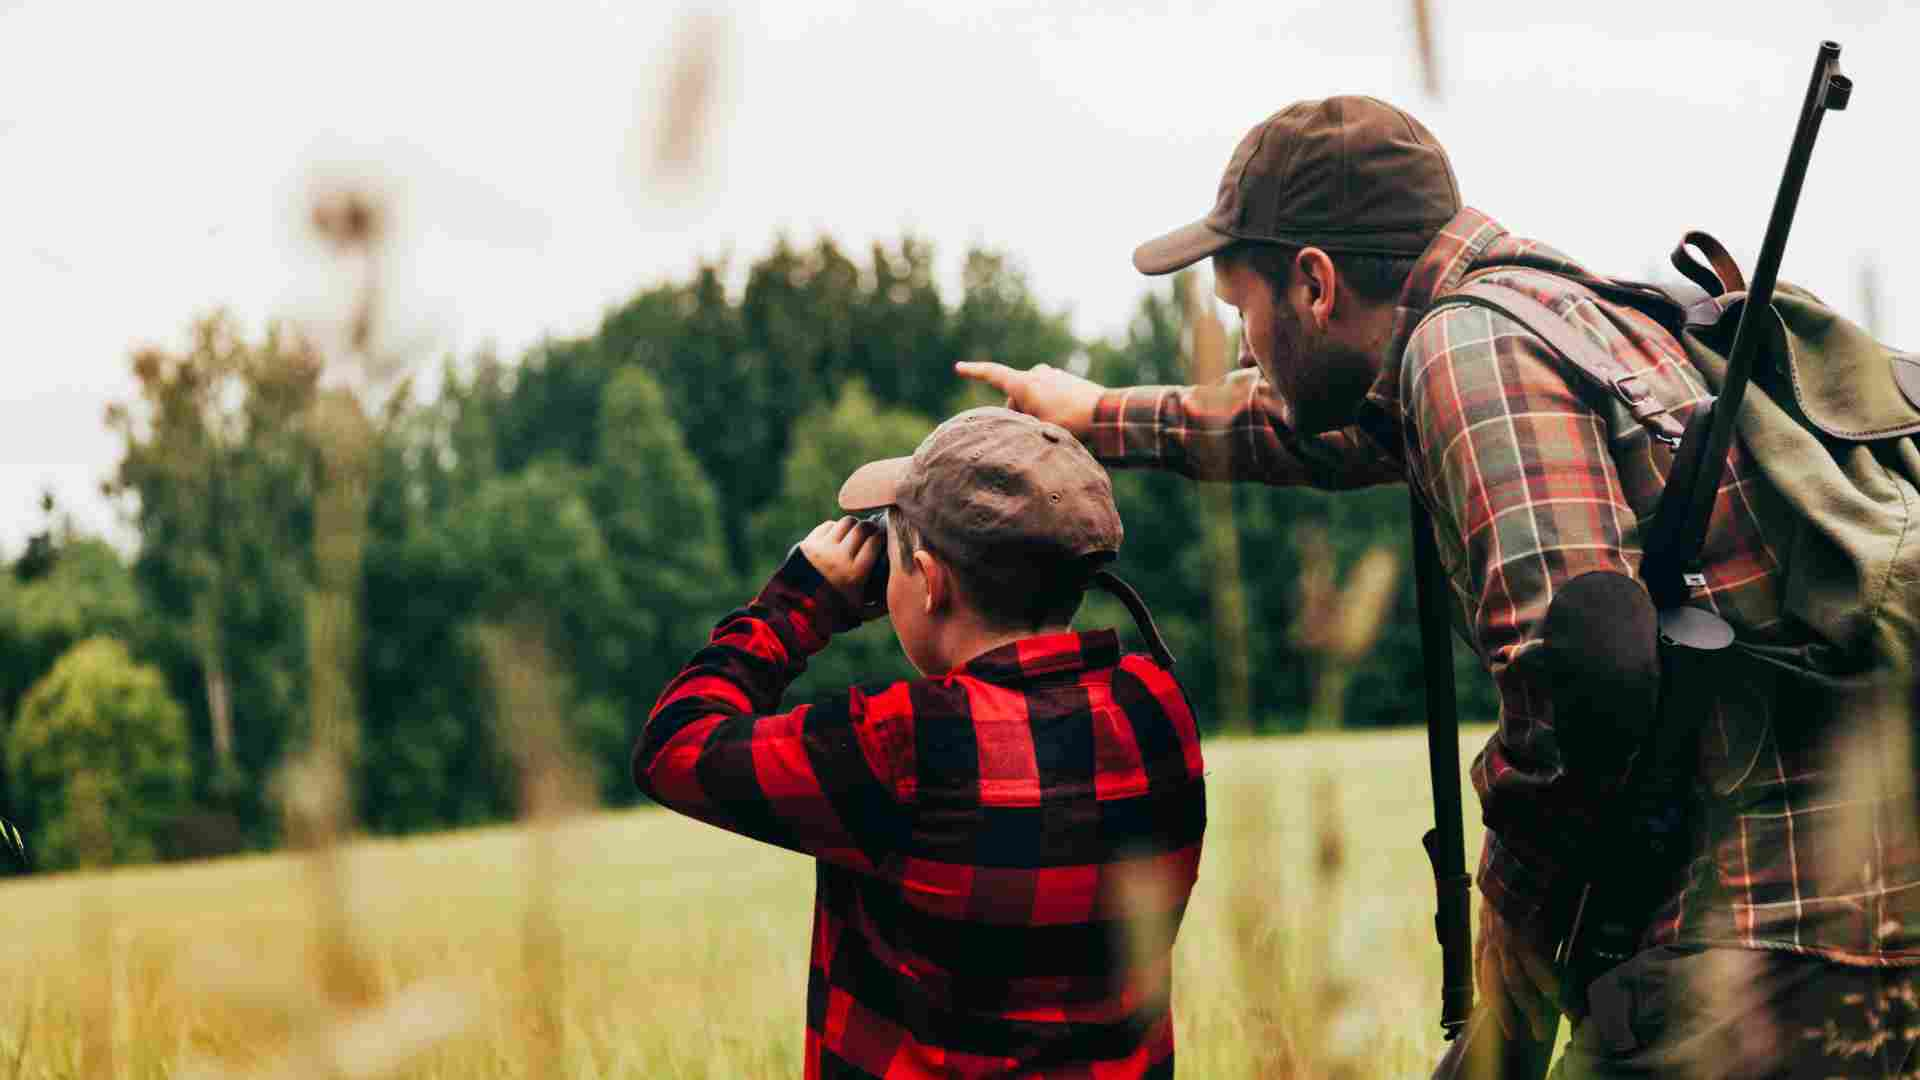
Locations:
(1005, 847)
(1337, 225)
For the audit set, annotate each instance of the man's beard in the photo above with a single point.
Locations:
(1329, 379)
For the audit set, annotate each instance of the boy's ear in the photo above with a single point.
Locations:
(938, 580)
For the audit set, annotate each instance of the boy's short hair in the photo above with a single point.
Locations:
(1018, 509)
(1023, 598)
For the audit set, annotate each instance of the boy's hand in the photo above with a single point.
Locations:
(1044, 392)
(845, 552)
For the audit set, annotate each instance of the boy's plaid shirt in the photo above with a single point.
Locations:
(1532, 480)
(992, 844)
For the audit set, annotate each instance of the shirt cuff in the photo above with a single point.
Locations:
(1126, 427)
(805, 605)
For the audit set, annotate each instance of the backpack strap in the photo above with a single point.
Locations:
(1592, 360)
(1722, 277)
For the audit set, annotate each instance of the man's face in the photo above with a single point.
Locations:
(1322, 379)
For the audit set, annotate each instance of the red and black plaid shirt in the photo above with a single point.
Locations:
(1534, 480)
(989, 842)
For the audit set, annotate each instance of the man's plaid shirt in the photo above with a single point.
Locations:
(993, 844)
(1533, 479)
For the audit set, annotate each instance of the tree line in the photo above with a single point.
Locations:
(618, 491)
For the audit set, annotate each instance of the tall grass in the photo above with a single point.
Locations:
(676, 950)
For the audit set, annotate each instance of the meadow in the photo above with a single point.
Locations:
(640, 944)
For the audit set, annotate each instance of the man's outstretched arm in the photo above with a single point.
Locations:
(1234, 430)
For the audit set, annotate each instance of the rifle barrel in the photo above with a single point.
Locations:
(1446, 843)
(1827, 89)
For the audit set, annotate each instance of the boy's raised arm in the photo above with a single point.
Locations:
(820, 779)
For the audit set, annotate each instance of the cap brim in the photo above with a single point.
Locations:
(874, 485)
(1179, 249)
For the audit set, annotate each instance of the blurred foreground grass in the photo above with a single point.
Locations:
(682, 950)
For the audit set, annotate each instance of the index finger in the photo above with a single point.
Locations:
(868, 553)
(999, 376)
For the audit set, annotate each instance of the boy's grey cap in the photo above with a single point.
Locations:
(991, 485)
(1343, 174)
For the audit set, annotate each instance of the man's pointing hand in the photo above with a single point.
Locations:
(1044, 391)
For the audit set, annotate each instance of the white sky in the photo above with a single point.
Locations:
(155, 158)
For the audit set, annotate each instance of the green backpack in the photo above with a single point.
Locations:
(1832, 418)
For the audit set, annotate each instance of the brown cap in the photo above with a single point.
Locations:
(1343, 174)
(992, 486)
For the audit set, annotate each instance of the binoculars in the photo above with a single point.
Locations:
(873, 595)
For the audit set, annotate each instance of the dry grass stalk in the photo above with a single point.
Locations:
(1148, 897)
(93, 844)
(686, 101)
(1257, 939)
(317, 791)
(529, 698)
(338, 1020)
(1870, 313)
(1423, 47)
(1207, 342)
(1337, 625)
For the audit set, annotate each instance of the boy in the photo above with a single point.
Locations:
(994, 841)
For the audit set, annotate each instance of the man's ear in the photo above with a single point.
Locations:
(938, 579)
(1317, 284)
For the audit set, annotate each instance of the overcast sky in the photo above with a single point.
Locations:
(155, 159)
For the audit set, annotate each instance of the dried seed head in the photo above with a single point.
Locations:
(349, 220)
(687, 97)
(1363, 605)
(1423, 45)
(1342, 622)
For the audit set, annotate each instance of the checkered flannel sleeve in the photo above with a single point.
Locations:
(1516, 465)
(1232, 430)
(820, 779)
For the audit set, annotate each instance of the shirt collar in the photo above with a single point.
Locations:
(1046, 654)
(1440, 268)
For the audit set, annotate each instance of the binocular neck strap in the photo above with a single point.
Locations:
(1136, 607)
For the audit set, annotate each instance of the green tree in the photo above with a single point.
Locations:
(100, 749)
(831, 444)
(81, 589)
(661, 521)
(218, 469)
(1000, 319)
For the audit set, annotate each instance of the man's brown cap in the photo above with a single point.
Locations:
(1343, 174)
(994, 488)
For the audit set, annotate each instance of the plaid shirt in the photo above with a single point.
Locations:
(987, 841)
(1532, 480)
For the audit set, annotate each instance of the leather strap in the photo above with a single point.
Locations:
(1142, 618)
(1725, 276)
(1581, 352)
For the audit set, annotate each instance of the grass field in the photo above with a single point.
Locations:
(651, 946)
